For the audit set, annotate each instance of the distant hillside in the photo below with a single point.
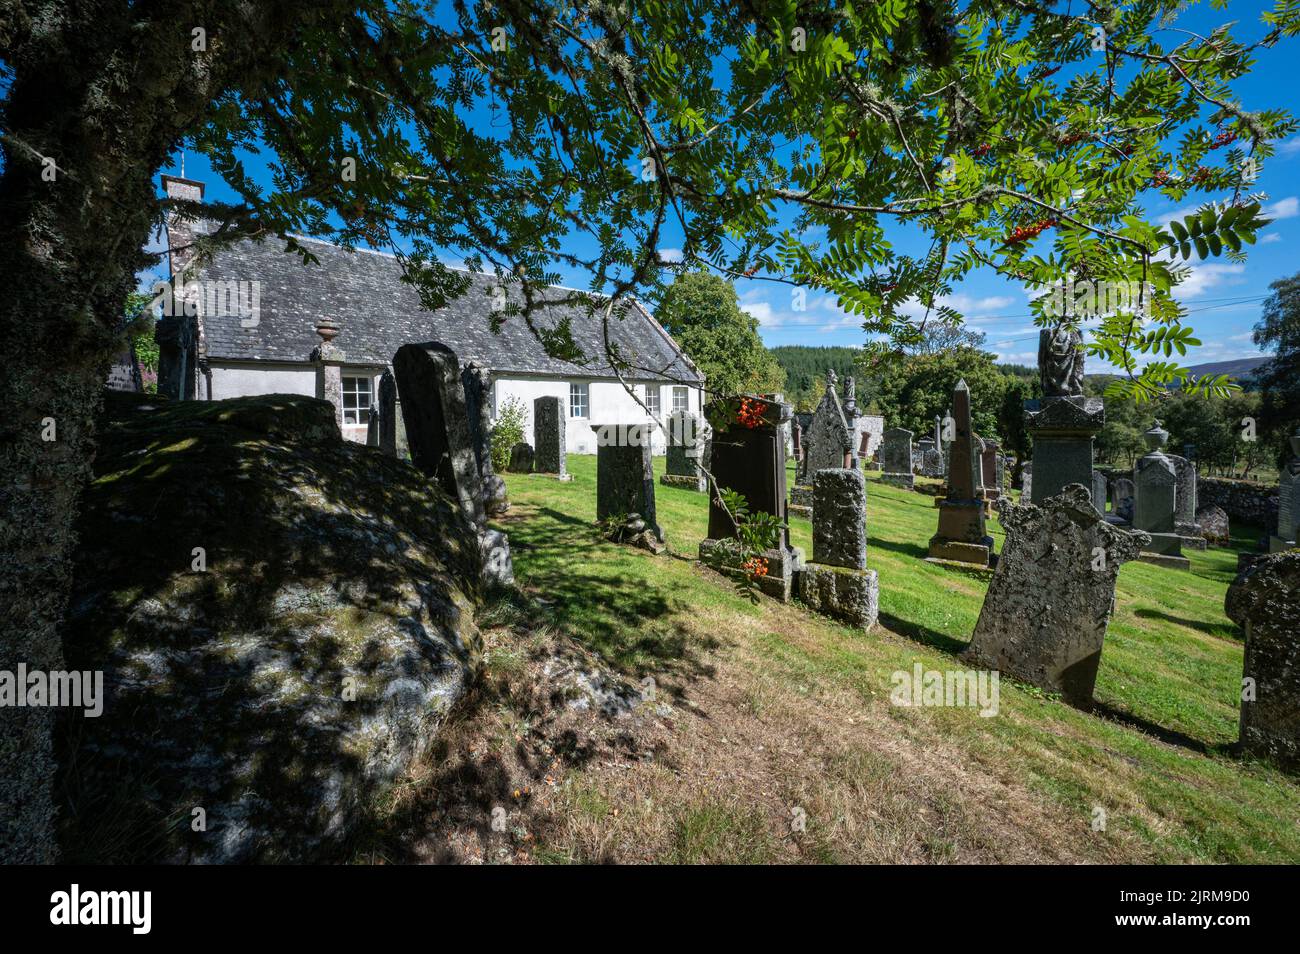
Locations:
(1237, 367)
(803, 363)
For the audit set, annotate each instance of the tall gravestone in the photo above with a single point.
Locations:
(1045, 615)
(836, 581)
(990, 468)
(392, 428)
(1288, 501)
(896, 458)
(550, 452)
(748, 456)
(442, 447)
(1064, 422)
(372, 426)
(1027, 482)
(1155, 500)
(1185, 513)
(1265, 601)
(828, 443)
(1099, 491)
(961, 535)
(687, 444)
(625, 483)
(477, 382)
(1122, 506)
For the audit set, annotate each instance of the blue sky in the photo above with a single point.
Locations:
(1223, 298)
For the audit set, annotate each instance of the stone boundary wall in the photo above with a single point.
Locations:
(1251, 503)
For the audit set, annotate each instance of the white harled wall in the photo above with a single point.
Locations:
(609, 403)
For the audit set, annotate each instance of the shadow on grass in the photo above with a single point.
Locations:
(924, 634)
(630, 619)
(1168, 736)
(1225, 630)
(906, 549)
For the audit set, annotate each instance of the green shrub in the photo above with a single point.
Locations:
(507, 432)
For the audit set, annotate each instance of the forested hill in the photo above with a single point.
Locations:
(803, 364)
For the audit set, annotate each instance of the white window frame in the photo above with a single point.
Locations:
(355, 392)
(682, 392)
(654, 400)
(579, 399)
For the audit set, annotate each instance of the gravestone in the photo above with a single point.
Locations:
(477, 382)
(687, 442)
(929, 457)
(549, 447)
(990, 469)
(1099, 491)
(392, 428)
(438, 428)
(829, 439)
(1265, 601)
(1155, 501)
(1185, 524)
(749, 457)
(1064, 422)
(372, 426)
(896, 458)
(521, 458)
(625, 484)
(1288, 501)
(1122, 504)
(1027, 483)
(836, 581)
(961, 535)
(1045, 614)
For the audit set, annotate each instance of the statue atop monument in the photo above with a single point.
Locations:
(1060, 361)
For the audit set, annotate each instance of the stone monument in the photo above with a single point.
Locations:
(896, 458)
(748, 456)
(1155, 501)
(1064, 422)
(828, 443)
(625, 484)
(438, 427)
(1045, 615)
(836, 581)
(1288, 501)
(1185, 524)
(962, 536)
(687, 445)
(1265, 601)
(550, 451)
(477, 382)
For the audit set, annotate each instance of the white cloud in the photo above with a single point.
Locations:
(1202, 278)
(762, 311)
(670, 255)
(1289, 148)
(1287, 208)
(1270, 238)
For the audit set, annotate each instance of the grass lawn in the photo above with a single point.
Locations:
(777, 713)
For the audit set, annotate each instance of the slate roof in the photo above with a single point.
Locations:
(377, 313)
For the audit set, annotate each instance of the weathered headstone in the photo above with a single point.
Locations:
(836, 581)
(1185, 524)
(549, 448)
(962, 535)
(438, 427)
(929, 457)
(1027, 483)
(1215, 525)
(372, 426)
(477, 382)
(990, 468)
(896, 458)
(1288, 502)
(827, 442)
(392, 428)
(521, 458)
(1265, 601)
(1122, 505)
(625, 484)
(748, 456)
(1099, 491)
(1051, 597)
(687, 442)
(1064, 422)
(1155, 500)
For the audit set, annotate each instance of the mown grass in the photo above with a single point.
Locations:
(1154, 756)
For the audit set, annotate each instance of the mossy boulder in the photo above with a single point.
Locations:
(281, 680)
